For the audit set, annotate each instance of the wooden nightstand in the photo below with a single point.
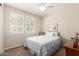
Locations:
(69, 50)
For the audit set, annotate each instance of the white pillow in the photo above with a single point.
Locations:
(54, 34)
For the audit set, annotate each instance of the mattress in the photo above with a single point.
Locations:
(42, 45)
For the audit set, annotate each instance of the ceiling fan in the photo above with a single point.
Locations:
(44, 6)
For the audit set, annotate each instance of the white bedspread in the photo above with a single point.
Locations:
(42, 45)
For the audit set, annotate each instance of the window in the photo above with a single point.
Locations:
(16, 23)
(20, 23)
(29, 24)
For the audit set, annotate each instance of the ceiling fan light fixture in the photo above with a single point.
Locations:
(42, 8)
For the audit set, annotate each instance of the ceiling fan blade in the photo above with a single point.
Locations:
(50, 6)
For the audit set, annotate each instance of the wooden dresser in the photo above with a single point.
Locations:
(69, 50)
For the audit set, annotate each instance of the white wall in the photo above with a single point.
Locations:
(67, 17)
(14, 40)
(1, 29)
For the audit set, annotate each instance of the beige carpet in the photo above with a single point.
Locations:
(21, 51)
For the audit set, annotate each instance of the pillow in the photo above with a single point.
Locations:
(54, 34)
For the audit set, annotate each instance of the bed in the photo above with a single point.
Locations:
(43, 45)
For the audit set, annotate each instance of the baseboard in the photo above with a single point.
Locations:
(13, 46)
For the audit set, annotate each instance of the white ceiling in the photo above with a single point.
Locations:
(31, 8)
(28, 7)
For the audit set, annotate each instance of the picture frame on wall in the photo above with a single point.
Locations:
(53, 27)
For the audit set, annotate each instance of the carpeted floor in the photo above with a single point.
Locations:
(21, 51)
